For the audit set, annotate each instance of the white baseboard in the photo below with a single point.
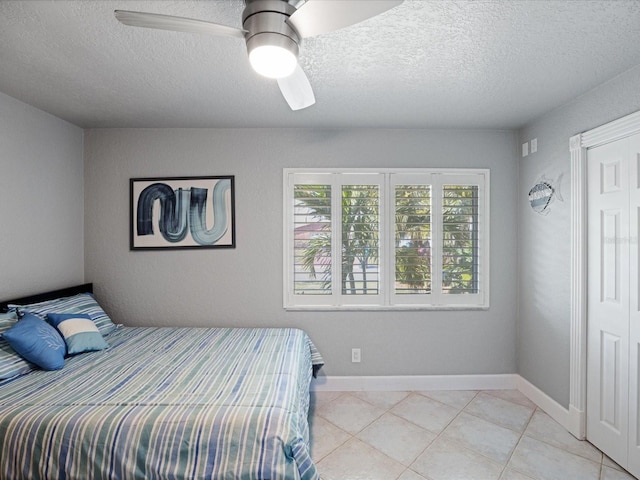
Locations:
(414, 383)
(571, 419)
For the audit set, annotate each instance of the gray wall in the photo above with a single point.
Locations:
(243, 286)
(43, 242)
(41, 201)
(543, 344)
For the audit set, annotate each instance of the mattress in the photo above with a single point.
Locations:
(166, 403)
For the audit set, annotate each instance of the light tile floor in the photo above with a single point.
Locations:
(446, 435)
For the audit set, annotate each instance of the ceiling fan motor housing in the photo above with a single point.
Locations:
(265, 22)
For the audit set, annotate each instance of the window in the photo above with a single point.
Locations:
(386, 239)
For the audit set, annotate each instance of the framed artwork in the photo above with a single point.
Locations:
(182, 212)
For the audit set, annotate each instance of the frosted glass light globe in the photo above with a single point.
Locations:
(272, 61)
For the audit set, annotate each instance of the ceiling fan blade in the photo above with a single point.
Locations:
(176, 24)
(320, 16)
(297, 90)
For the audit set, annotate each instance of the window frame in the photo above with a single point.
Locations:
(387, 178)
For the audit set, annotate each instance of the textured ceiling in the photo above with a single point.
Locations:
(441, 63)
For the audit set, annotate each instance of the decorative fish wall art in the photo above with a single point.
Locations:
(544, 193)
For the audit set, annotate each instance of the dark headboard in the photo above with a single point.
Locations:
(41, 297)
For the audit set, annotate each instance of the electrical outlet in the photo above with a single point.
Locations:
(355, 355)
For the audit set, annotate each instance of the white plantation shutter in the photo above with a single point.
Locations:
(463, 239)
(412, 253)
(386, 239)
(460, 230)
(312, 239)
(360, 239)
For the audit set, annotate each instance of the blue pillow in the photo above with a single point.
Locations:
(11, 364)
(81, 303)
(37, 342)
(79, 332)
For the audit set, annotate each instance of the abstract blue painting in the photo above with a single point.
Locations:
(182, 212)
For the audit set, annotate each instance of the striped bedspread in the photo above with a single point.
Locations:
(166, 403)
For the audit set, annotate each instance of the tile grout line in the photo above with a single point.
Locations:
(334, 425)
(439, 434)
(506, 465)
(388, 410)
(354, 436)
(469, 448)
(464, 446)
(409, 468)
(566, 450)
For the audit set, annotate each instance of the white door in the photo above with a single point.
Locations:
(608, 300)
(613, 300)
(634, 324)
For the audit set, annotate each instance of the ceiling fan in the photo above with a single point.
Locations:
(273, 31)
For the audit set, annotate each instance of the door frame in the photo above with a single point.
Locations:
(578, 145)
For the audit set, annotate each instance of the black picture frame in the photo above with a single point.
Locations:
(169, 213)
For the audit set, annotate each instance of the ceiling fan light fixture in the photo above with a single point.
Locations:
(273, 30)
(272, 44)
(273, 61)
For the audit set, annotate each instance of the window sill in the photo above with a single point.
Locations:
(401, 308)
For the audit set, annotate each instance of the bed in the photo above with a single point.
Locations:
(164, 403)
